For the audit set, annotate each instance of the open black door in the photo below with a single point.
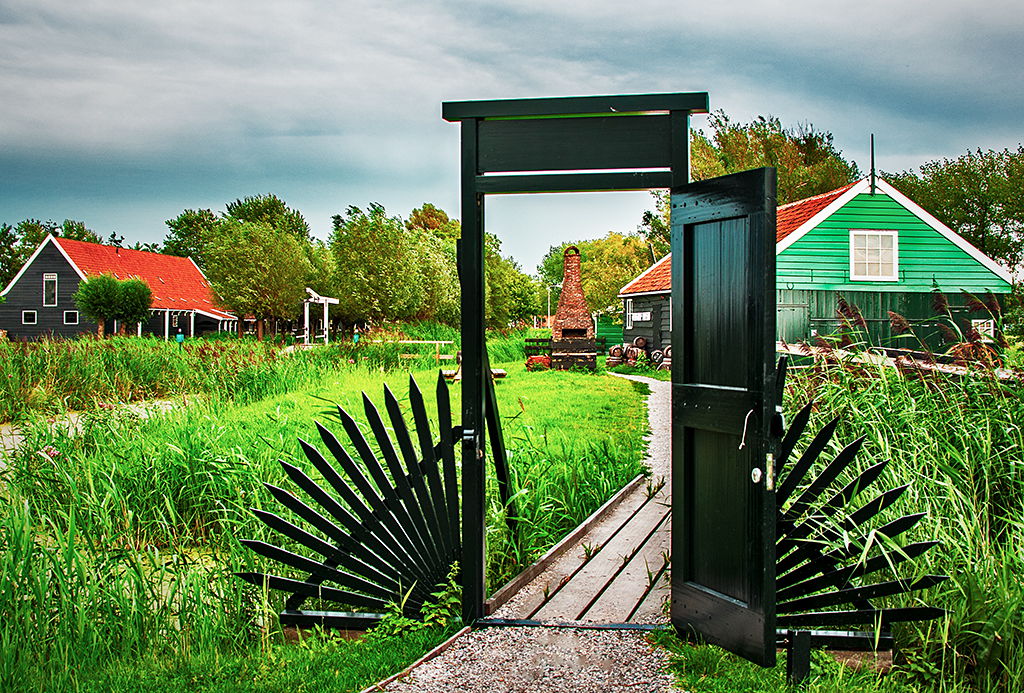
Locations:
(723, 335)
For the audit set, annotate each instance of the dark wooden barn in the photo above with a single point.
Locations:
(39, 299)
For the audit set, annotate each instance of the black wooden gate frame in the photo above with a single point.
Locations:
(396, 532)
(574, 144)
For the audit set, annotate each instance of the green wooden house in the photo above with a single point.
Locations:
(871, 245)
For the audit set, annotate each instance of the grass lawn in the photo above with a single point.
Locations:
(119, 544)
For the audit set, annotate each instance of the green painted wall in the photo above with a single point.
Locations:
(821, 259)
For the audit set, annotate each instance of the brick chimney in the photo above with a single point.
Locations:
(572, 320)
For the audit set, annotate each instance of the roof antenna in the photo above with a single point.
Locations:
(872, 163)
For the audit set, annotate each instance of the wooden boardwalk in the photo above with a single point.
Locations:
(616, 572)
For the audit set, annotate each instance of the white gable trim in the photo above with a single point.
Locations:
(832, 207)
(50, 238)
(951, 235)
(864, 186)
(622, 291)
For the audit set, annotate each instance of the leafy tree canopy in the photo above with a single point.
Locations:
(189, 234)
(378, 276)
(434, 220)
(980, 195)
(134, 302)
(256, 269)
(271, 210)
(99, 298)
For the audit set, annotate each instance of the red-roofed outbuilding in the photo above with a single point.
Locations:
(39, 299)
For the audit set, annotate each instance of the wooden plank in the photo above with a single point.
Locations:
(569, 541)
(562, 570)
(653, 607)
(629, 587)
(589, 580)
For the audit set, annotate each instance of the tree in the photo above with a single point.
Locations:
(10, 259)
(17, 243)
(806, 159)
(99, 299)
(435, 234)
(435, 221)
(134, 302)
(271, 210)
(189, 233)
(980, 195)
(378, 275)
(256, 269)
(511, 295)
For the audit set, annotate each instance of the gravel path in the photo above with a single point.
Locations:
(541, 660)
(553, 660)
(659, 416)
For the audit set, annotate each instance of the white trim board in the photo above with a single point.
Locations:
(864, 186)
(49, 238)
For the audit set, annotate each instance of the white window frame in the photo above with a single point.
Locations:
(50, 276)
(70, 312)
(986, 328)
(894, 276)
(26, 313)
(629, 314)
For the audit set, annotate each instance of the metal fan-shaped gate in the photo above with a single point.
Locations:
(385, 523)
(832, 567)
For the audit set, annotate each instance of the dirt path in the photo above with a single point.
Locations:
(71, 424)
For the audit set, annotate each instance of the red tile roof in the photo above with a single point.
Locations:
(788, 218)
(658, 277)
(176, 282)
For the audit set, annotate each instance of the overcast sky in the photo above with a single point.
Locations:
(122, 114)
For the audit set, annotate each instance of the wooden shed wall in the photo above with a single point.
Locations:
(27, 294)
(820, 260)
(801, 315)
(657, 331)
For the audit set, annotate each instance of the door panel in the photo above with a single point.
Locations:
(723, 530)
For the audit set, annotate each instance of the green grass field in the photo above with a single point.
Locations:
(119, 543)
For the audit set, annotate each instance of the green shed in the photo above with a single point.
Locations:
(869, 244)
(879, 250)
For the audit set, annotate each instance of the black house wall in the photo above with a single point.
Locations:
(27, 294)
(657, 331)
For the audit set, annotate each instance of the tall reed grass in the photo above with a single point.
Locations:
(116, 545)
(960, 443)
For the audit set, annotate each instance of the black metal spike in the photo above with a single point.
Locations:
(789, 441)
(386, 504)
(882, 617)
(840, 578)
(826, 477)
(446, 446)
(851, 594)
(306, 589)
(319, 570)
(795, 476)
(415, 473)
(360, 559)
(363, 531)
(437, 494)
(408, 509)
(790, 530)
